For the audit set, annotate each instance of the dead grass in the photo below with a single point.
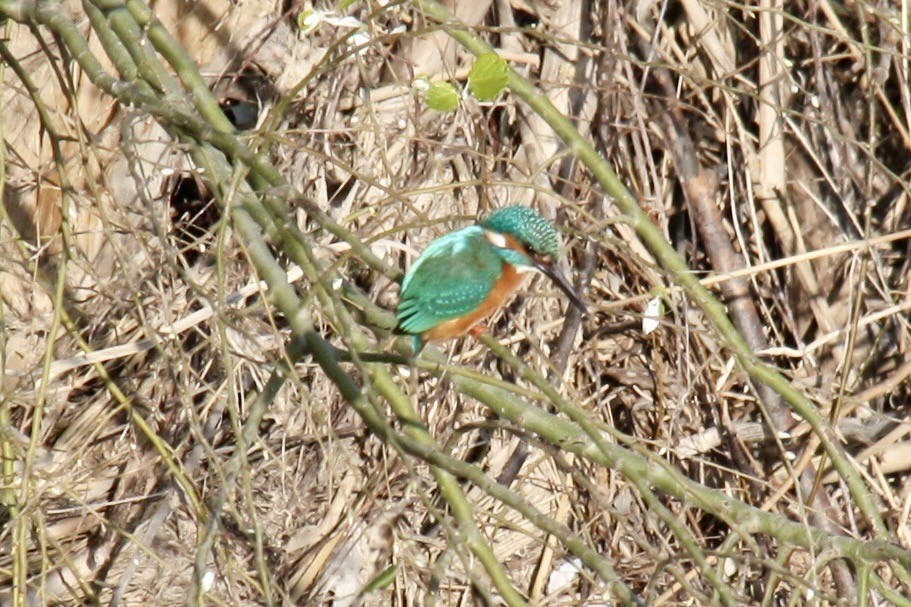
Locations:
(136, 338)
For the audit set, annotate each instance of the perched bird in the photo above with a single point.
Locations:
(467, 275)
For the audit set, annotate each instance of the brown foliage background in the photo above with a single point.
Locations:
(135, 336)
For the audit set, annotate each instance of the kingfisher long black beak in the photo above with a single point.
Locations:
(550, 270)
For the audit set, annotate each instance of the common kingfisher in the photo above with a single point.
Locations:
(467, 275)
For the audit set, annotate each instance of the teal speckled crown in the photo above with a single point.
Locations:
(526, 226)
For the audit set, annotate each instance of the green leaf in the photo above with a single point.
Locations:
(385, 577)
(488, 77)
(441, 96)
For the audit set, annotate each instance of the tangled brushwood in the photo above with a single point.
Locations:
(207, 210)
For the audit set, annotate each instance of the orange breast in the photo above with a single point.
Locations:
(499, 294)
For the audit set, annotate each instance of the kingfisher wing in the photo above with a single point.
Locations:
(452, 277)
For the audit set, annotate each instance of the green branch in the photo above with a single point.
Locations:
(672, 262)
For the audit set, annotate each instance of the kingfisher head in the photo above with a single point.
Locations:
(528, 242)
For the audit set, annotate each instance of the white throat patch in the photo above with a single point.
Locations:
(527, 269)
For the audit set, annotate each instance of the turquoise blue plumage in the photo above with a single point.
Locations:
(528, 227)
(450, 279)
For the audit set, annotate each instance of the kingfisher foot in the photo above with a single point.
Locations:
(477, 331)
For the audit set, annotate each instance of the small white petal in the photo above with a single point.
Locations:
(564, 575)
(360, 39)
(652, 316)
(347, 21)
(208, 579)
